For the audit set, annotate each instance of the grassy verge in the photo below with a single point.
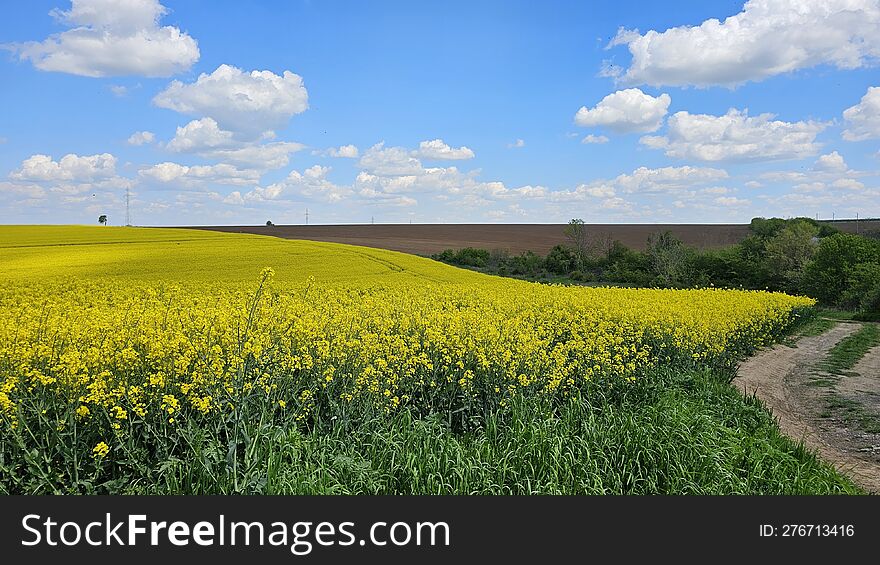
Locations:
(816, 326)
(847, 353)
(671, 432)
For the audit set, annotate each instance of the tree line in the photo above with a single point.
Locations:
(798, 256)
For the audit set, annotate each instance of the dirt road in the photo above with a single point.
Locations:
(791, 383)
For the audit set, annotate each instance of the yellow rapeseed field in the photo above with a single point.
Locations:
(116, 330)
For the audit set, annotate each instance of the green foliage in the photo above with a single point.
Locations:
(467, 257)
(672, 432)
(788, 252)
(799, 256)
(843, 272)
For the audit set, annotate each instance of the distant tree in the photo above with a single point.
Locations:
(269, 223)
(576, 232)
(788, 252)
(670, 259)
(102, 219)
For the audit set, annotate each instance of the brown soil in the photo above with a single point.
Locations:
(791, 384)
(426, 239)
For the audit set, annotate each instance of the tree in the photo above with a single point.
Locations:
(102, 219)
(576, 232)
(269, 223)
(670, 259)
(789, 251)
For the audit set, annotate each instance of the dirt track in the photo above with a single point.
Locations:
(781, 378)
(425, 239)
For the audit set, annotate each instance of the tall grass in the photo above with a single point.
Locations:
(673, 432)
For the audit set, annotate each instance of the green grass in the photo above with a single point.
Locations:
(835, 314)
(847, 353)
(673, 432)
(816, 326)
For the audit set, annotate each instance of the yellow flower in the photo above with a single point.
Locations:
(101, 450)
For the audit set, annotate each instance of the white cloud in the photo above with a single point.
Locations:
(736, 136)
(847, 184)
(516, 144)
(71, 167)
(644, 179)
(769, 37)
(830, 162)
(715, 190)
(753, 184)
(863, 119)
(205, 138)
(113, 38)
(439, 150)
(199, 135)
(346, 151)
(118, 90)
(732, 201)
(29, 191)
(248, 103)
(626, 111)
(311, 183)
(258, 156)
(221, 173)
(594, 139)
(389, 161)
(141, 138)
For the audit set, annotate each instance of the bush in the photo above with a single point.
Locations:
(841, 269)
(467, 257)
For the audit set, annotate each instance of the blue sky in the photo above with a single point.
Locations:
(237, 113)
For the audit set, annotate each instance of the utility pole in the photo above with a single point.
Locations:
(307, 216)
(127, 206)
(372, 220)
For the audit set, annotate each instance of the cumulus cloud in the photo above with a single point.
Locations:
(311, 183)
(222, 173)
(258, 156)
(830, 162)
(247, 103)
(644, 179)
(736, 136)
(829, 174)
(199, 135)
(141, 138)
(204, 137)
(767, 38)
(346, 151)
(847, 184)
(626, 111)
(594, 139)
(516, 144)
(382, 160)
(71, 167)
(863, 119)
(437, 149)
(113, 38)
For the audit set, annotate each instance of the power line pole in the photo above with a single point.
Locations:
(127, 206)
(307, 216)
